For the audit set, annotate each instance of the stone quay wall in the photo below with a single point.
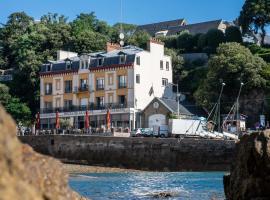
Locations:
(153, 154)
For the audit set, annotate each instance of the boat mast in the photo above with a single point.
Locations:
(219, 98)
(237, 108)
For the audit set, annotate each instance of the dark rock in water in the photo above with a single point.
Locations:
(161, 195)
(250, 172)
(25, 174)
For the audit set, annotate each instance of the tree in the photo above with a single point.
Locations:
(232, 64)
(140, 39)
(88, 41)
(233, 34)
(213, 38)
(202, 42)
(255, 16)
(18, 110)
(185, 42)
(177, 64)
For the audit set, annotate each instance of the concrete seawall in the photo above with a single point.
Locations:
(137, 153)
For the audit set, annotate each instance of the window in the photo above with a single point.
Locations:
(122, 81)
(48, 67)
(110, 98)
(122, 99)
(110, 79)
(100, 84)
(83, 85)
(167, 66)
(68, 64)
(58, 84)
(68, 103)
(161, 64)
(164, 82)
(68, 86)
(138, 78)
(57, 102)
(100, 102)
(100, 61)
(138, 60)
(122, 59)
(84, 64)
(48, 104)
(48, 88)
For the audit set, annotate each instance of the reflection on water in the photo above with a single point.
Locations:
(146, 185)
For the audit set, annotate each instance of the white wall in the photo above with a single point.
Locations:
(61, 55)
(150, 74)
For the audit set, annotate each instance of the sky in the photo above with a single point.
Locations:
(134, 11)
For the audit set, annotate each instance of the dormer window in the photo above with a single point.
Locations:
(122, 59)
(84, 64)
(68, 64)
(48, 67)
(100, 61)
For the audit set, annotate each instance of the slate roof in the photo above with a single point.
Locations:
(176, 26)
(202, 27)
(172, 105)
(160, 26)
(109, 59)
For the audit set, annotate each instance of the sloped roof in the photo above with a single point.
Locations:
(160, 26)
(202, 27)
(109, 59)
(172, 104)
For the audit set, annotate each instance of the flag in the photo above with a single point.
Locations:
(38, 121)
(86, 120)
(57, 121)
(151, 91)
(108, 117)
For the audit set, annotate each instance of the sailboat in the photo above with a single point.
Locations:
(208, 126)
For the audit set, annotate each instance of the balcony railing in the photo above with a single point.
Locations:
(83, 88)
(90, 106)
(48, 92)
(122, 85)
(100, 87)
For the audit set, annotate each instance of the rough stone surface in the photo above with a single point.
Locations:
(153, 154)
(25, 174)
(250, 172)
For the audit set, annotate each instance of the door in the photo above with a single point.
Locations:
(155, 121)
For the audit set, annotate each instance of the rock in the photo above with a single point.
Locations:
(250, 171)
(25, 174)
(161, 195)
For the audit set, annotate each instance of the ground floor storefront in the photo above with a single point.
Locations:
(125, 119)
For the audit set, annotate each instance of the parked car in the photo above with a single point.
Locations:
(136, 133)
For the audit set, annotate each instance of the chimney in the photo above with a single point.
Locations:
(155, 44)
(112, 46)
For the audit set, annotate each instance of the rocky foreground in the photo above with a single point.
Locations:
(249, 178)
(25, 174)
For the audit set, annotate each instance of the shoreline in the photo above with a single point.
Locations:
(84, 169)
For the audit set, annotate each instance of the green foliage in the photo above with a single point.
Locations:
(185, 42)
(264, 53)
(18, 110)
(202, 42)
(169, 41)
(177, 63)
(255, 16)
(233, 34)
(214, 37)
(140, 39)
(232, 64)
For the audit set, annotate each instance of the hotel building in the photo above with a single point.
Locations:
(118, 78)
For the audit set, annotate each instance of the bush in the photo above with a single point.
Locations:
(201, 44)
(214, 37)
(233, 34)
(185, 42)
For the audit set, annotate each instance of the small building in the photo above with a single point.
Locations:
(160, 110)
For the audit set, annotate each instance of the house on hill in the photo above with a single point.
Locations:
(174, 27)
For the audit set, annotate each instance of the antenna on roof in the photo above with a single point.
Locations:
(121, 35)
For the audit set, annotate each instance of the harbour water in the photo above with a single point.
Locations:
(147, 185)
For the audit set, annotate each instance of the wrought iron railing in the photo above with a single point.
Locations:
(90, 106)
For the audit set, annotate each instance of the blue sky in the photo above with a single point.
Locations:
(134, 11)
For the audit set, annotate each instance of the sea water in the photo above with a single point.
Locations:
(147, 185)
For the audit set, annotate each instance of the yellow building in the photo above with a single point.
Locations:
(118, 79)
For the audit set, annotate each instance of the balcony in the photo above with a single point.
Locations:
(48, 92)
(100, 87)
(91, 106)
(122, 85)
(82, 88)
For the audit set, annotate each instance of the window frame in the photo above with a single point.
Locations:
(161, 65)
(138, 78)
(166, 82)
